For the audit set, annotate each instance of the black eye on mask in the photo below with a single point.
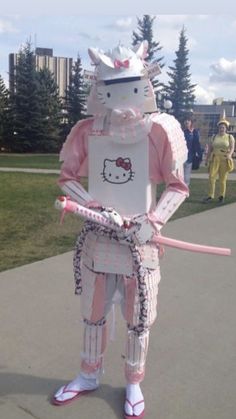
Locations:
(135, 90)
(108, 94)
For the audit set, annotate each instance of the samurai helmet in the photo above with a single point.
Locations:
(119, 65)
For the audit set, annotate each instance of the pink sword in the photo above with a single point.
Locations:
(65, 205)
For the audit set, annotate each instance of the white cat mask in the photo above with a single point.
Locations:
(122, 80)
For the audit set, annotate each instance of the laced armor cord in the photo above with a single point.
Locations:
(141, 271)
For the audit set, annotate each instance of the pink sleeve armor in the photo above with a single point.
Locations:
(75, 162)
(168, 152)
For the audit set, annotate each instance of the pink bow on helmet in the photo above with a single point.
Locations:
(119, 64)
(124, 163)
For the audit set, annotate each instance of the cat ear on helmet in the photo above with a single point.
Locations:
(94, 55)
(141, 49)
(98, 57)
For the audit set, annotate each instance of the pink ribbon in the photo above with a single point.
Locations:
(124, 163)
(119, 64)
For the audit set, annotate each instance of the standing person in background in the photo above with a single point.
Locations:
(219, 160)
(192, 139)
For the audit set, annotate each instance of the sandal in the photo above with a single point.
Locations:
(140, 416)
(75, 395)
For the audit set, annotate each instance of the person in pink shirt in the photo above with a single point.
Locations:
(125, 149)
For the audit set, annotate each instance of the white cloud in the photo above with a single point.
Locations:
(171, 20)
(124, 23)
(191, 43)
(201, 17)
(88, 36)
(7, 27)
(166, 30)
(168, 38)
(102, 7)
(204, 96)
(224, 71)
(168, 34)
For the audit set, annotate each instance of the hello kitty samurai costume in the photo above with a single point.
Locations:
(124, 154)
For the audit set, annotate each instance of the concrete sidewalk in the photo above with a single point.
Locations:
(194, 174)
(191, 369)
(29, 170)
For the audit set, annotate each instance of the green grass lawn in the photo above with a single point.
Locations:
(30, 228)
(37, 161)
(47, 161)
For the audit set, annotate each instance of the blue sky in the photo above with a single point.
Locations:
(211, 38)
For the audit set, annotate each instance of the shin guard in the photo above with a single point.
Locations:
(136, 353)
(95, 337)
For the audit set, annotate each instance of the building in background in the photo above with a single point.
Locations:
(207, 116)
(60, 67)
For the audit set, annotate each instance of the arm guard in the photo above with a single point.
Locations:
(166, 207)
(76, 192)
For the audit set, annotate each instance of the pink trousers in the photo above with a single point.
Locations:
(97, 299)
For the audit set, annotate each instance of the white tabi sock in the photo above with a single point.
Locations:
(134, 404)
(80, 383)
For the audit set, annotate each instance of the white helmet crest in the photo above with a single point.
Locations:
(120, 62)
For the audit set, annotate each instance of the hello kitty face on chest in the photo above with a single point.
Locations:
(117, 171)
(132, 94)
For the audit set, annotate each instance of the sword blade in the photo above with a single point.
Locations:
(191, 247)
(96, 217)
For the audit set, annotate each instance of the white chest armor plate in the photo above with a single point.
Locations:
(119, 174)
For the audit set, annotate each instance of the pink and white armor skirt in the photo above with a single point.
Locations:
(137, 291)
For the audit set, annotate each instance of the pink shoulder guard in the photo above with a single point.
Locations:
(175, 137)
(71, 145)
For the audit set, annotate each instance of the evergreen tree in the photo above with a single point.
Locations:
(50, 113)
(179, 89)
(76, 94)
(25, 104)
(145, 31)
(4, 108)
